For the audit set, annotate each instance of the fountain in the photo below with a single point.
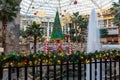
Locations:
(93, 42)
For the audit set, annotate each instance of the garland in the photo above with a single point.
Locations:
(19, 60)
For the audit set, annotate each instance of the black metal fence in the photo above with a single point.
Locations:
(107, 69)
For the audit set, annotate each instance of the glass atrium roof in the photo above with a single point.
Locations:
(49, 7)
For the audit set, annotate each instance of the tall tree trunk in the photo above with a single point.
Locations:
(35, 41)
(76, 32)
(69, 31)
(4, 30)
(12, 34)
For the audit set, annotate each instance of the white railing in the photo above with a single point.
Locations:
(113, 31)
(110, 46)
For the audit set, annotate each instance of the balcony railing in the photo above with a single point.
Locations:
(113, 31)
(102, 69)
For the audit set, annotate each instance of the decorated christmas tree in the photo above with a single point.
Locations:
(57, 31)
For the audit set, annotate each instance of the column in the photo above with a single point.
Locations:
(48, 30)
(107, 25)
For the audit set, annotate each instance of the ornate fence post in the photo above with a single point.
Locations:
(1, 72)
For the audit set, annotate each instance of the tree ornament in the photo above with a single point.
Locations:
(19, 64)
(81, 57)
(77, 61)
(39, 59)
(30, 63)
(35, 13)
(46, 61)
(75, 2)
(11, 63)
(25, 61)
(59, 61)
(54, 56)
(33, 7)
(64, 10)
(87, 61)
(35, 62)
(4, 58)
(34, 56)
(49, 62)
(13, 54)
(62, 15)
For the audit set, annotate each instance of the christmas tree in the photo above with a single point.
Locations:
(57, 31)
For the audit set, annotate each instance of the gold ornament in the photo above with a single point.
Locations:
(107, 54)
(4, 58)
(25, 54)
(39, 59)
(46, 61)
(81, 57)
(59, 61)
(11, 63)
(35, 62)
(49, 62)
(34, 56)
(87, 61)
(30, 63)
(54, 56)
(96, 56)
(19, 64)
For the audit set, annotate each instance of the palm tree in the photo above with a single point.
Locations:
(34, 30)
(80, 24)
(103, 33)
(75, 21)
(8, 12)
(115, 10)
(72, 32)
(23, 33)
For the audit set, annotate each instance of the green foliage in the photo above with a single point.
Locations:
(72, 31)
(8, 12)
(34, 30)
(72, 37)
(115, 10)
(80, 27)
(116, 20)
(8, 9)
(79, 20)
(23, 33)
(103, 33)
(55, 58)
